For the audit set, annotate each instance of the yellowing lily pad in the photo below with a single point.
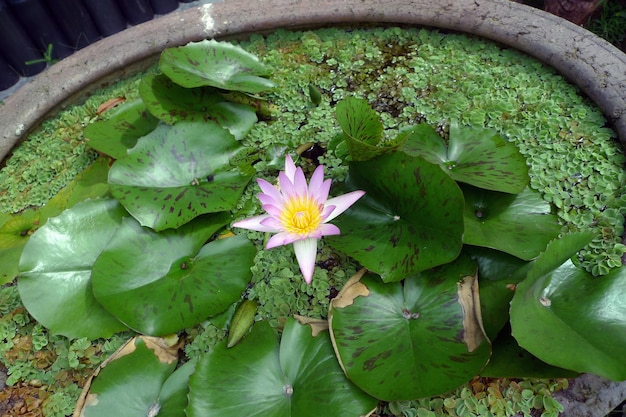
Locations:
(415, 339)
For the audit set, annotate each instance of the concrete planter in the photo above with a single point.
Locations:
(597, 67)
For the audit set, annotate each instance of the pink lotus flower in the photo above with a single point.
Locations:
(299, 213)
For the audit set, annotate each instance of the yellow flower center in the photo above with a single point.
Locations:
(301, 215)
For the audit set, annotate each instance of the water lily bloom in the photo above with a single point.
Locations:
(299, 213)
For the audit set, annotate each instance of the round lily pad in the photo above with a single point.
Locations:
(120, 131)
(260, 378)
(415, 339)
(216, 64)
(172, 103)
(479, 157)
(519, 224)
(56, 265)
(410, 219)
(141, 380)
(179, 172)
(159, 283)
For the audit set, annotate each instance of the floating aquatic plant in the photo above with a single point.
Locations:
(160, 255)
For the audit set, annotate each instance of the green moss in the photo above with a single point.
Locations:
(281, 292)
(488, 398)
(201, 338)
(55, 153)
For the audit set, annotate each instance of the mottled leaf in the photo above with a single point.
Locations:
(419, 338)
(518, 224)
(479, 157)
(363, 130)
(160, 283)
(410, 219)
(359, 121)
(216, 64)
(179, 172)
(172, 103)
(120, 131)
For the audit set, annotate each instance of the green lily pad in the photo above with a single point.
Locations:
(9, 261)
(519, 224)
(419, 338)
(160, 283)
(479, 157)
(179, 172)
(215, 64)
(498, 274)
(172, 103)
(361, 126)
(259, 378)
(15, 230)
(55, 270)
(141, 380)
(410, 219)
(561, 250)
(114, 136)
(91, 183)
(509, 360)
(14, 234)
(4, 217)
(568, 318)
(173, 396)
(18, 228)
(363, 130)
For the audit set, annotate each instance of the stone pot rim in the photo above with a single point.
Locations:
(596, 66)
